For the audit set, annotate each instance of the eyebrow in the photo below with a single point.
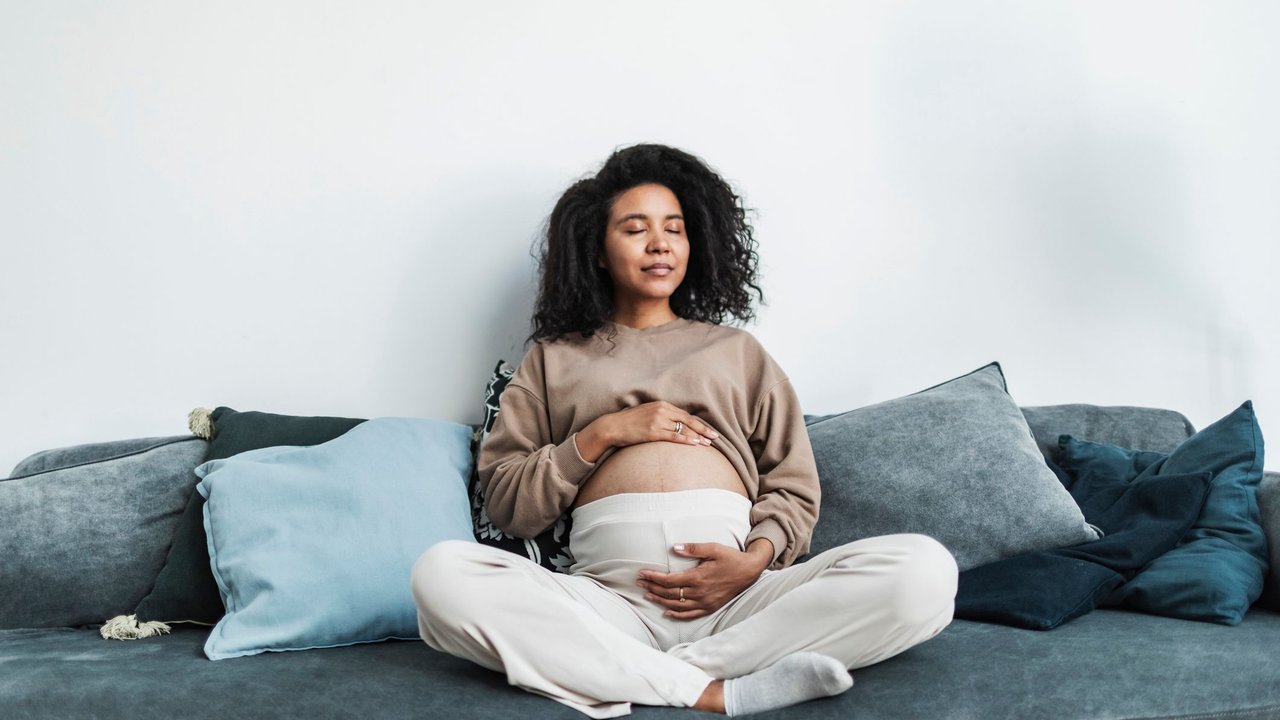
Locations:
(642, 216)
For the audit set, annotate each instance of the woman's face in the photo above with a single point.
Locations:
(646, 251)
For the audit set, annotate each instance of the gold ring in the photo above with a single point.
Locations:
(681, 594)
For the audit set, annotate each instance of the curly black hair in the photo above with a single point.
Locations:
(575, 295)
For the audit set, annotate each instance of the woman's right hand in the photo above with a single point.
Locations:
(642, 423)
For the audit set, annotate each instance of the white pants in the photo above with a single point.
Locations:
(590, 640)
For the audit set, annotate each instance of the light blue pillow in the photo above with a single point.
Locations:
(313, 546)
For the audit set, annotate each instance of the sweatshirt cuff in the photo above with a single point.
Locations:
(569, 462)
(770, 530)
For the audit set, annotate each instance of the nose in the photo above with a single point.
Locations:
(659, 243)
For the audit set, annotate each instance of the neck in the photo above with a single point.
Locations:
(641, 317)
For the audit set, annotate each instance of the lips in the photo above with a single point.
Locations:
(658, 270)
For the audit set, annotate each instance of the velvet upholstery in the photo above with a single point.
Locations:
(1124, 425)
(82, 543)
(71, 455)
(1131, 427)
(1107, 664)
(1142, 520)
(956, 462)
(236, 431)
(1217, 570)
(1269, 507)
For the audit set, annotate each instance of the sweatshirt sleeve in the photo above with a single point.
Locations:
(786, 508)
(527, 478)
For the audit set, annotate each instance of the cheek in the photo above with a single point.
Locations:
(609, 254)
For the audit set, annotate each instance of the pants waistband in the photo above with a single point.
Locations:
(677, 503)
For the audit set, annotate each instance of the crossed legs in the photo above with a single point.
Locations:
(572, 640)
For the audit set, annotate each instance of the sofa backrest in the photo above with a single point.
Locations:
(1137, 428)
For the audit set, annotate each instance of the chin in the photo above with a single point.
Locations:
(666, 284)
(661, 291)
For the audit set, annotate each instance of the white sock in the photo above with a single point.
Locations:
(793, 679)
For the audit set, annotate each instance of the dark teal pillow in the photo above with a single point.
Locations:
(236, 432)
(1036, 591)
(1216, 571)
(1142, 520)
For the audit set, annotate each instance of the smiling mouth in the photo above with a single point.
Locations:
(659, 270)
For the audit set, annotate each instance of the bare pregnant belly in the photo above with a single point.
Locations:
(660, 466)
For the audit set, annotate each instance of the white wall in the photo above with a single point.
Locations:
(327, 208)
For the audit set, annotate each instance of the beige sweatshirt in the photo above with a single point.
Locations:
(530, 469)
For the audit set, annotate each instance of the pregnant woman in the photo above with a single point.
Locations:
(679, 447)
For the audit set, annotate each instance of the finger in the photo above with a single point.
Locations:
(670, 596)
(695, 423)
(705, 551)
(672, 580)
(674, 605)
(686, 614)
(693, 431)
(684, 437)
(667, 592)
(689, 435)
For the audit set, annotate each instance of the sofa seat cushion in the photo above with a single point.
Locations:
(1110, 663)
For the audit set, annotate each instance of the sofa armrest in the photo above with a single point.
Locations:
(1269, 507)
(85, 541)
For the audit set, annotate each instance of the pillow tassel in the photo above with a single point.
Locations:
(200, 421)
(127, 627)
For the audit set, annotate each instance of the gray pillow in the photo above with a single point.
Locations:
(80, 544)
(956, 462)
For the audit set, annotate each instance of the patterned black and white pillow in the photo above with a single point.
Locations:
(551, 548)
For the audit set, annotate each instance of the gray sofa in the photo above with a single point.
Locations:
(1110, 663)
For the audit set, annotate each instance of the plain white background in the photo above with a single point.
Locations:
(328, 207)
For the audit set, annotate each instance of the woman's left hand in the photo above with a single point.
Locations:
(723, 572)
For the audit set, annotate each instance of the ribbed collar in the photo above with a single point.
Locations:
(666, 327)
